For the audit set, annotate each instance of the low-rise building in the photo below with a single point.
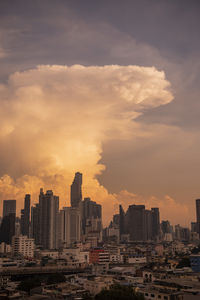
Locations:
(5, 248)
(95, 285)
(195, 262)
(99, 256)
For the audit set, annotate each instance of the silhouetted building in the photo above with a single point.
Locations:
(9, 207)
(198, 215)
(194, 227)
(135, 222)
(116, 218)
(155, 223)
(148, 225)
(90, 209)
(166, 227)
(35, 223)
(48, 210)
(7, 228)
(76, 190)
(121, 221)
(138, 223)
(25, 216)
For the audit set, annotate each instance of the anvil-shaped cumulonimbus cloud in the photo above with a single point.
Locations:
(54, 120)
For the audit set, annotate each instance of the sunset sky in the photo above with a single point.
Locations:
(108, 88)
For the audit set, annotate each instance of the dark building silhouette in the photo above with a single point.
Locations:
(198, 215)
(148, 234)
(194, 227)
(35, 223)
(9, 207)
(48, 219)
(7, 228)
(139, 223)
(76, 191)
(116, 219)
(90, 209)
(166, 227)
(135, 222)
(121, 221)
(25, 216)
(155, 223)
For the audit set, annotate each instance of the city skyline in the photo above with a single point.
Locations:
(86, 206)
(107, 88)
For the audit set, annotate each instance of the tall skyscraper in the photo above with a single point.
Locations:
(198, 215)
(25, 216)
(122, 229)
(76, 191)
(155, 223)
(198, 209)
(48, 210)
(148, 225)
(35, 223)
(135, 222)
(7, 229)
(9, 207)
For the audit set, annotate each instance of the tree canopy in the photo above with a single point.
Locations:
(119, 292)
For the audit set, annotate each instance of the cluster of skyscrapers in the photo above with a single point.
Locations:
(139, 224)
(50, 227)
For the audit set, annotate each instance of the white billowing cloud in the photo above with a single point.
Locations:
(54, 120)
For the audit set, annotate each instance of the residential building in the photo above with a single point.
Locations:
(69, 226)
(23, 245)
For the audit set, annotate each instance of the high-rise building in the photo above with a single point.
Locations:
(155, 223)
(166, 227)
(69, 226)
(48, 214)
(9, 207)
(122, 229)
(148, 225)
(76, 191)
(198, 215)
(116, 220)
(7, 229)
(194, 227)
(90, 209)
(135, 222)
(182, 233)
(25, 216)
(138, 223)
(35, 223)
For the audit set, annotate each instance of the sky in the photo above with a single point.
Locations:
(106, 88)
